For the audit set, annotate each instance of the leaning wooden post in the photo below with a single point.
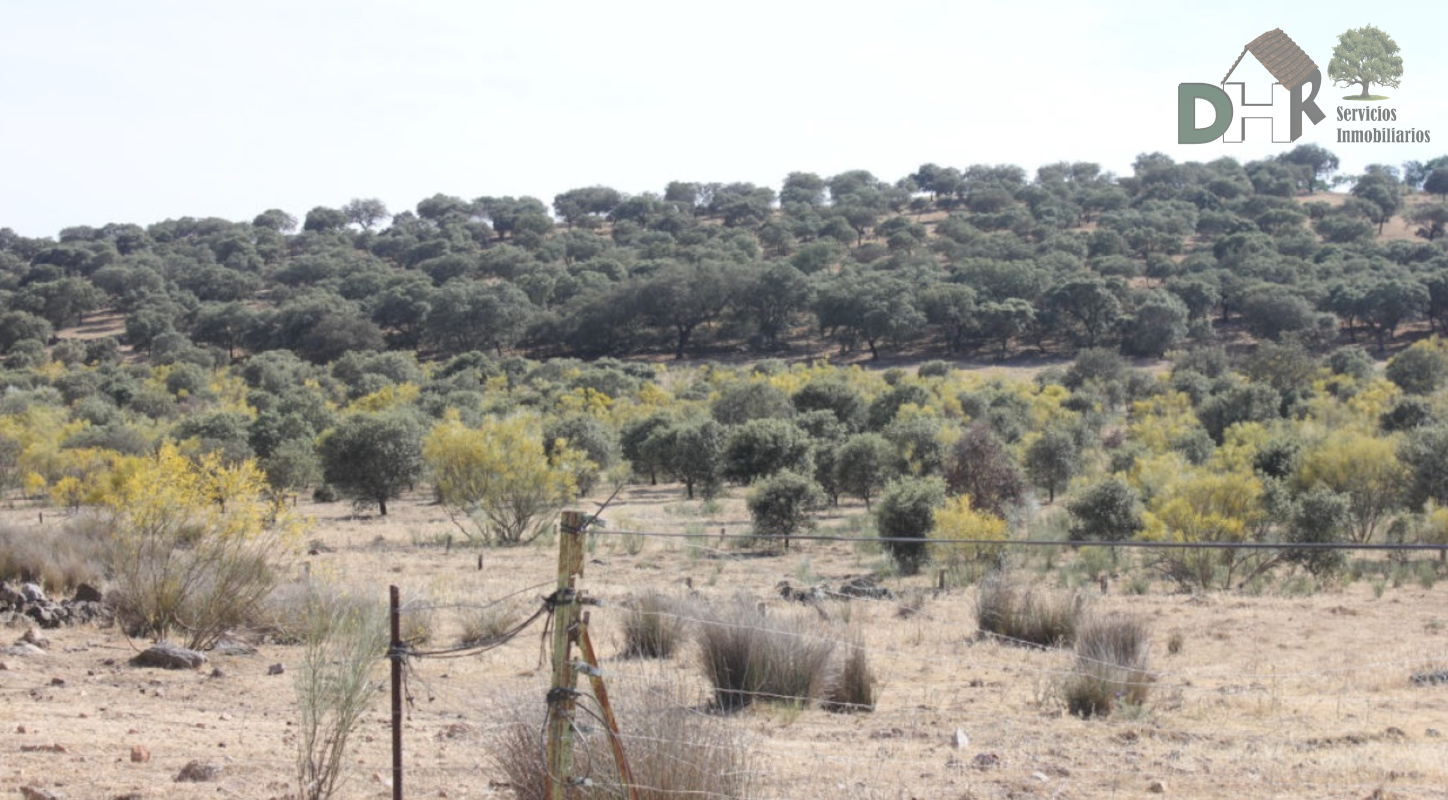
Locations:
(563, 697)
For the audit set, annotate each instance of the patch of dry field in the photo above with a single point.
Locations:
(1300, 697)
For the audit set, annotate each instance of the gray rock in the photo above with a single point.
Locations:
(275, 669)
(33, 793)
(33, 593)
(169, 656)
(85, 593)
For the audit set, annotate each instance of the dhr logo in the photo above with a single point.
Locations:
(1292, 68)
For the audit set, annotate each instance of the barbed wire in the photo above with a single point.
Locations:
(1126, 543)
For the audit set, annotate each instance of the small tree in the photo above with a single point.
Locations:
(761, 447)
(780, 505)
(980, 466)
(372, 457)
(1110, 511)
(863, 465)
(496, 481)
(907, 511)
(1052, 460)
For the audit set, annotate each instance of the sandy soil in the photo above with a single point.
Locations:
(1269, 696)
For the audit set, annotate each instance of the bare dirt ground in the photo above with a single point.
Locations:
(1269, 697)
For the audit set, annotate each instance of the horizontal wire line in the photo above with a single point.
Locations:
(819, 537)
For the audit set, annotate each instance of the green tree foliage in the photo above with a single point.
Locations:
(365, 213)
(1365, 55)
(1382, 197)
(761, 447)
(373, 457)
(742, 402)
(1425, 454)
(1420, 369)
(907, 511)
(980, 466)
(694, 453)
(1109, 511)
(1052, 460)
(837, 397)
(1320, 516)
(864, 464)
(780, 505)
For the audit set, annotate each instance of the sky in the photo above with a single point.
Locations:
(148, 110)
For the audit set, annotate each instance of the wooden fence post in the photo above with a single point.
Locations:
(563, 697)
(395, 654)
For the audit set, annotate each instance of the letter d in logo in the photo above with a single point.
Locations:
(1187, 96)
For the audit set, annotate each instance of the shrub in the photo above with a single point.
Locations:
(345, 638)
(1020, 614)
(745, 659)
(652, 628)
(197, 545)
(907, 511)
(1111, 667)
(681, 754)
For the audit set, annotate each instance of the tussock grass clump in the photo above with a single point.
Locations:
(1111, 667)
(489, 622)
(746, 656)
(652, 627)
(857, 688)
(1007, 608)
(673, 750)
(59, 559)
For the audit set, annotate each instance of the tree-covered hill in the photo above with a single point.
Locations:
(941, 262)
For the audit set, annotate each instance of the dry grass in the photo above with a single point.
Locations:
(1230, 715)
(1111, 667)
(673, 751)
(652, 627)
(1007, 608)
(747, 657)
(58, 558)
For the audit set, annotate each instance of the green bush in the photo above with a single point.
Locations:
(907, 511)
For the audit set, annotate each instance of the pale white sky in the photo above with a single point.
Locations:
(145, 110)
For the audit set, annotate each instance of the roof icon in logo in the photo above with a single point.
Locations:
(1281, 56)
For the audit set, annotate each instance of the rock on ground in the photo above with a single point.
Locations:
(169, 656)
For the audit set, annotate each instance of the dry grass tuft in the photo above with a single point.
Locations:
(652, 627)
(58, 559)
(1111, 667)
(1006, 608)
(747, 657)
(684, 752)
(489, 622)
(857, 687)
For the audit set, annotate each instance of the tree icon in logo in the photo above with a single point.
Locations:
(1365, 55)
